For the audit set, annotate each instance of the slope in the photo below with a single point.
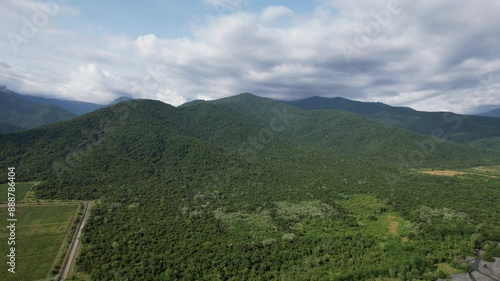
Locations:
(254, 122)
(492, 113)
(75, 107)
(111, 145)
(458, 128)
(18, 112)
(6, 128)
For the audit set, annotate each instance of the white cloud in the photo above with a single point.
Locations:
(226, 5)
(92, 83)
(415, 58)
(169, 96)
(274, 13)
(146, 44)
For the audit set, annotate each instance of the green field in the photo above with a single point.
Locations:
(485, 171)
(21, 190)
(40, 232)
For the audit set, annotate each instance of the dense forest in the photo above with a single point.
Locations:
(18, 113)
(479, 131)
(247, 188)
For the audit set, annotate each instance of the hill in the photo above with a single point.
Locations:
(18, 113)
(340, 133)
(75, 107)
(6, 128)
(492, 113)
(455, 127)
(248, 188)
(121, 99)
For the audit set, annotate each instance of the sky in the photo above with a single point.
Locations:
(439, 55)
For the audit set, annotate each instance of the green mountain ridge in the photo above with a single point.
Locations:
(463, 129)
(336, 131)
(75, 107)
(18, 113)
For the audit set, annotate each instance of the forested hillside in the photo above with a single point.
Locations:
(463, 129)
(75, 107)
(18, 113)
(247, 188)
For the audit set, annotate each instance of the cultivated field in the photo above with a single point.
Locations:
(491, 172)
(21, 190)
(40, 232)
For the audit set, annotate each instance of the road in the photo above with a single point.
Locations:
(475, 268)
(73, 247)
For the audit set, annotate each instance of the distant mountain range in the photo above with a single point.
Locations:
(492, 113)
(23, 112)
(75, 107)
(18, 113)
(121, 99)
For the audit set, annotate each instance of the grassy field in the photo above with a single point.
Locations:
(40, 231)
(21, 190)
(372, 217)
(490, 171)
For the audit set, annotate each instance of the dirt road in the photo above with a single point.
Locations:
(73, 247)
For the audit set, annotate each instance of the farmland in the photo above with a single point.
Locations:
(21, 190)
(40, 233)
(489, 171)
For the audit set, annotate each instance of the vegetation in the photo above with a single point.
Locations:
(21, 190)
(75, 107)
(479, 131)
(246, 188)
(40, 232)
(18, 113)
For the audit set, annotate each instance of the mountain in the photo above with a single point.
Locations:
(6, 128)
(463, 129)
(17, 113)
(75, 107)
(121, 99)
(492, 113)
(113, 144)
(249, 188)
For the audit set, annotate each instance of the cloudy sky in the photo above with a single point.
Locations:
(431, 54)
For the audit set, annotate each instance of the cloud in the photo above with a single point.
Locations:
(226, 5)
(169, 96)
(439, 55)
(274, 13)
(145, 44)
(4, 65)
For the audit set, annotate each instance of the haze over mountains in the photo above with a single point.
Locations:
(18, 113)
(22, 112)
(75, 107)
(492, 113)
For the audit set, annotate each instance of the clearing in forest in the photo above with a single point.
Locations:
(41, 232)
